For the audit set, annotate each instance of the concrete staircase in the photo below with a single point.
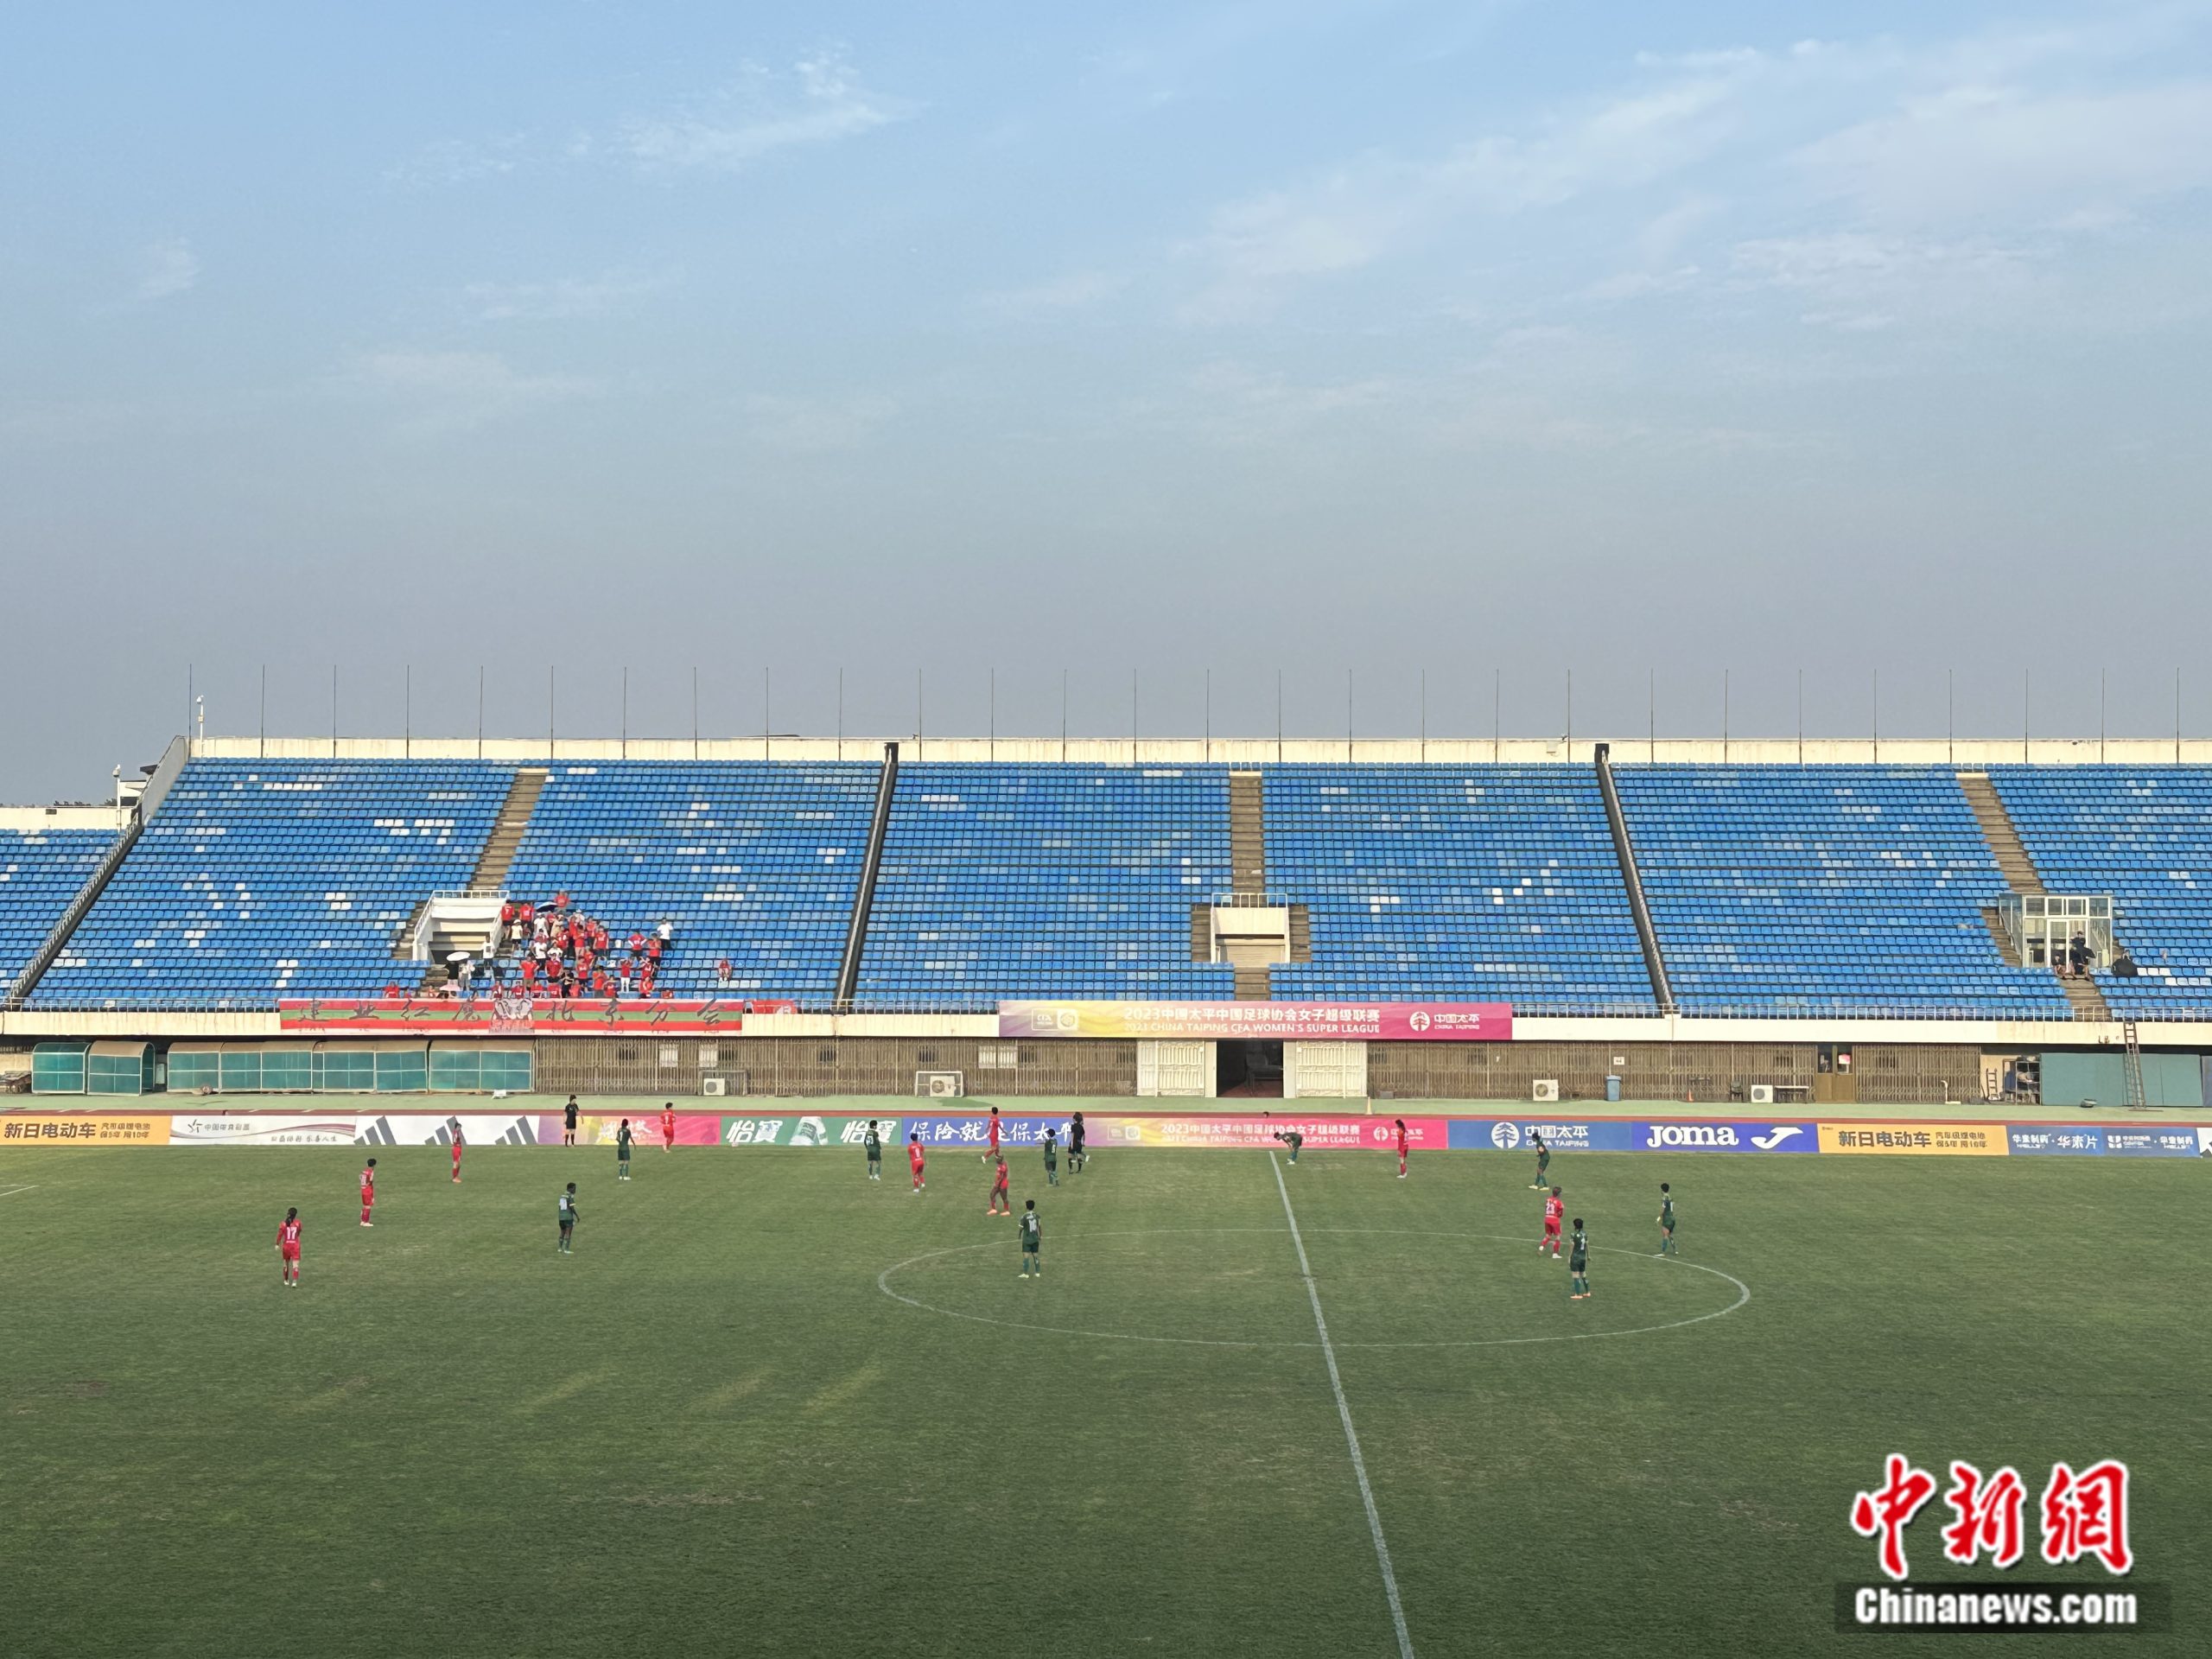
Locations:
(1248, 834)
(498, 855)
(490, 875)
(2019, 870)
(1248, 866)
(2021, 875)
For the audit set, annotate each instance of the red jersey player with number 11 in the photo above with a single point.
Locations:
(1554, 1210)
(368, 1190)
(288, 1248)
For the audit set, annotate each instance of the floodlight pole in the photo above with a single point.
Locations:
(407, 713)
(264, 749)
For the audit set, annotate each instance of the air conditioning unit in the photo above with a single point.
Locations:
(1762, 1094)
(941, 1085)
(714, 1086)
(1547, 1090)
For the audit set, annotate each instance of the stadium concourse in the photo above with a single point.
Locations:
(1760, 922)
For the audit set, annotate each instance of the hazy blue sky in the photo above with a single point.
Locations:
(1320, 336)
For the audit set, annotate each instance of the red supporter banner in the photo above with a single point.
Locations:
(519, 1016)
(1450, 1022)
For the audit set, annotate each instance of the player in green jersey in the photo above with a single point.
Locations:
(1543, 1161)
(622, 1140)
(1578, 1266)
(1051, 1158)
(874, 1152)
(1666, 1222)
(1033, 1235)
(568, 1211)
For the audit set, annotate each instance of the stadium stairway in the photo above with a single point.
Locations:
(849, 966)
(2021, 873)
(489, 876)
(498, 855)
(1654, 960)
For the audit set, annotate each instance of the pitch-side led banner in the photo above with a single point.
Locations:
(803, 1129)
(1942, 1140)
(1228, 1129)
(1322, 1022)
(516, 1016)
(264, 1129)
(120, 1129)
(604, 1128)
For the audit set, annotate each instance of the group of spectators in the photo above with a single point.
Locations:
(560, 950)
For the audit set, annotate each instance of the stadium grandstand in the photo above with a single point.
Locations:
(1942, 918)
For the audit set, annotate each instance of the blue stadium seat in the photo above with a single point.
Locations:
(755, 862)
(1455, 883)
(2143, 833)
(1786, 891)
(262, 879)
(41, 871)
(1047, 880)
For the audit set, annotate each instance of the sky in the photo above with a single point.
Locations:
(956, 348)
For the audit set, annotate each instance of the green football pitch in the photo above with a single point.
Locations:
(768, 1407)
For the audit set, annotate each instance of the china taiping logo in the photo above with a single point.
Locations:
(1417, 1020)
(1504, 1136)
(2083, 1513)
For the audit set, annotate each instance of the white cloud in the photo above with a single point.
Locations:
(1859, 281)
(1982, 152)
(818, 101)
(171, 267)
(447, 391)
(456, 162)
(1350, 217)
(817, 425)
(1078, 291)
(563, 299)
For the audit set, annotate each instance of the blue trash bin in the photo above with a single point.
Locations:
(1612, 1088)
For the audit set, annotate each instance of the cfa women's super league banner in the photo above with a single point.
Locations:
(1321, 1022)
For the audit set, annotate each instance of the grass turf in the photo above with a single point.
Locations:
(711, 1429)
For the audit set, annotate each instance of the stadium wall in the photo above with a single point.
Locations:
(1175, 752)
(796, 1067)
(802, 1066)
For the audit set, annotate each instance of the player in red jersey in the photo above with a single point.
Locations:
(456, 1152)
(914, 1157)
(993, 1151)
(288, 1248)
(1401, 1149)
(998, 1189)
(1552, 1211)
(668, 1127)
(368, 1190)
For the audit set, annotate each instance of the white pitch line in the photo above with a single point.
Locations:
(1344, 1411)
(11, 1192)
